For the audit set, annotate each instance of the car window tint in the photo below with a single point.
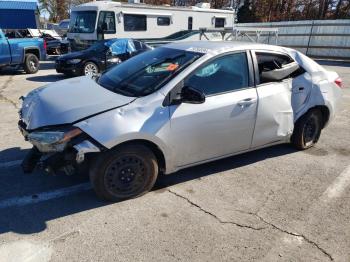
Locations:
(221, 75)
(271, 61)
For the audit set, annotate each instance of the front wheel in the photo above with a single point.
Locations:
(90, 69)
(123, 173)
(307, 130)
(31, 64)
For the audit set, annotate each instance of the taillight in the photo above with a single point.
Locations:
(45, 44)
(339, 82)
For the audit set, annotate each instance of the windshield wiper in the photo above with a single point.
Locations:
(123, 91)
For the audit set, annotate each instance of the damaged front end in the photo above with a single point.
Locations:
(58, 149)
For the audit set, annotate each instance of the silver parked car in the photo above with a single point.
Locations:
(177, 106)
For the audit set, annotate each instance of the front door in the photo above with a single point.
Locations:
(5, 55)
(224, 123)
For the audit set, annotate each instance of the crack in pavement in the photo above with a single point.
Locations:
(3, 97)
(273, 226)
(7, 100)
(297, 235)
(215, 216)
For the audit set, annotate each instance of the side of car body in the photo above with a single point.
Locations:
(250, 115)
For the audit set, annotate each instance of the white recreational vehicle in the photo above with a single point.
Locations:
(106, 19)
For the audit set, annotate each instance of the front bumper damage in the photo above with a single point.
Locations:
(54, 158)
(67, 161)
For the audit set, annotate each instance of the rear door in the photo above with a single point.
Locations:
(275, 121)
(224, 123)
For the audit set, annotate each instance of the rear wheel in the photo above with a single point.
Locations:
(307, 130)
(90, 69)
(31, 64)
(123, 173)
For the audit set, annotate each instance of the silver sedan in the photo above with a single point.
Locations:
(176, 106)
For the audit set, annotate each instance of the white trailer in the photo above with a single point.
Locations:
(105, 19)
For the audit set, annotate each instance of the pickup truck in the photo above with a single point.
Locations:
(24, 52)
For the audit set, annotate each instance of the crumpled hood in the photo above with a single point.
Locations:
(68, 101)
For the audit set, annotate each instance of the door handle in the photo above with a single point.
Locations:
(246, 102)
(298, 89)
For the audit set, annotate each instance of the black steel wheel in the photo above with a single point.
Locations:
(123, 173)
(307, 130)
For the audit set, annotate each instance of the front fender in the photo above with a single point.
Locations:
(139, 120)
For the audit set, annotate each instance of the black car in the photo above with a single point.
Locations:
(53, 45)
(100, 56)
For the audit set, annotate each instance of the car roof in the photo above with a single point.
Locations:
(220, 46)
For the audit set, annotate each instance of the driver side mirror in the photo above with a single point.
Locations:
(192, 95)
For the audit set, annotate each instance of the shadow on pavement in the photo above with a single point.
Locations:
(11, 71)
(225, 164)
(12, 154)
(32, 218)
(47, 65)
(46, 78)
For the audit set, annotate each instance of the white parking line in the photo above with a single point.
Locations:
(338, 186)
(10, 163)
(44, 196)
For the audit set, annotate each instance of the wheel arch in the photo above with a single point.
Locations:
(152, 146)
(31, 50)
(324, 111)
(325, 114)
(92, 61)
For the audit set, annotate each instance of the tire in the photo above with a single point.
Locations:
(307, 130)
(123, 173)
(31, 64)
(90, 69)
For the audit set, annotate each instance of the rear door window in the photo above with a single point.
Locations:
(271, 61)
